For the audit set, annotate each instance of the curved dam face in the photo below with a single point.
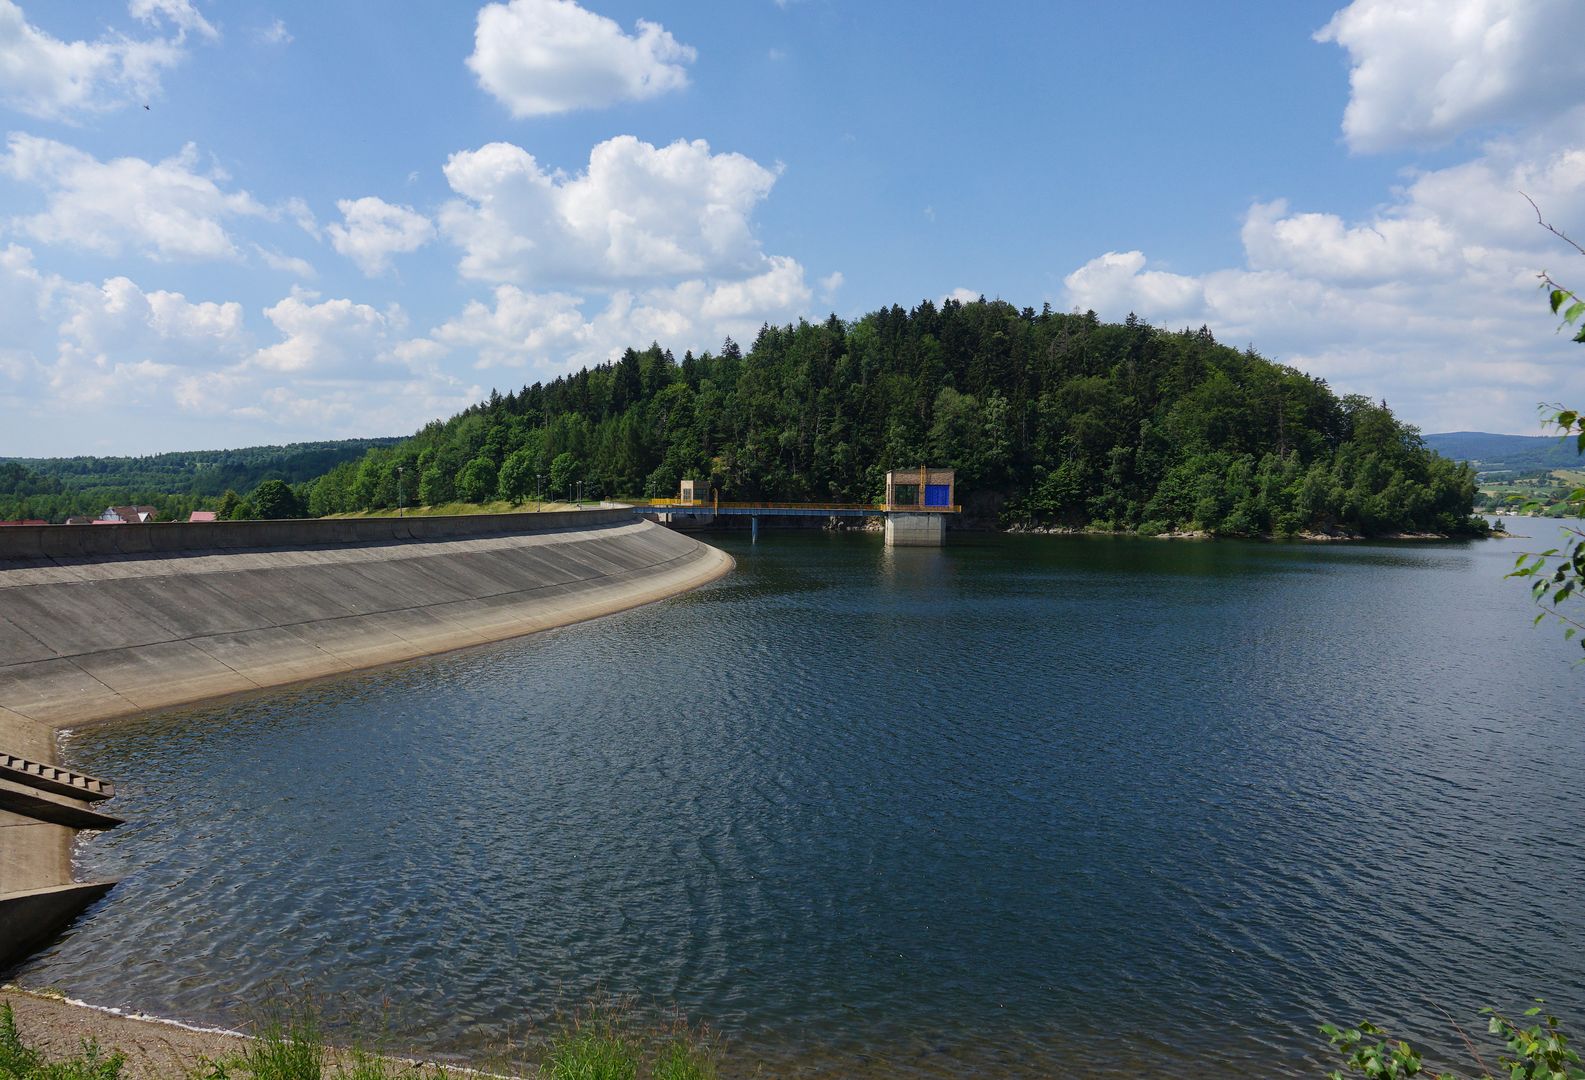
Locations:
(198, 611)
(98, 622)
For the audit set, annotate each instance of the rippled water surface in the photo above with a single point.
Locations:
(1022, 806)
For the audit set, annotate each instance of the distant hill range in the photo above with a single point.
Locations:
(175, 483)
(1490, 453)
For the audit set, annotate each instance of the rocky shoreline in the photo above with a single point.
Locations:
(1314, 537)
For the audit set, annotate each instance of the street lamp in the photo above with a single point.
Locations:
(539, 491)
(401, 499)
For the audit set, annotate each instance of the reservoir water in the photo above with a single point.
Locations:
(1022, 806)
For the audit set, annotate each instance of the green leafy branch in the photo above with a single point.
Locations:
(1539, 1051)
(1558, 573)
(1559, 296)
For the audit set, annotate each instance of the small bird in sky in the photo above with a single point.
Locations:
(145, 108)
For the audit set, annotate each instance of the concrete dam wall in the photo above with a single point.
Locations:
(105, 621)
(98, 622)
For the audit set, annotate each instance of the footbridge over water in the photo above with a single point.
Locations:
(918, 502)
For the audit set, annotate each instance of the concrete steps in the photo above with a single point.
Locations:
(52, 778)
(41, 805)
(42, 808)
(30, 918)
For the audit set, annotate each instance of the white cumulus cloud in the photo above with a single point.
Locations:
(1430, 301)
(120, 344)
(638, 212)
(179, 13)
(540, 57)
(554, 332)
(164, 210)
(1118, 281)
(27, 314)
(374, 231)
(51, 79)
(1425, 71)
(274, 34)
(82, 356)
(334, 336)
(1322, 245)
(286, 264)
(80, 344)
(521, 329)
(120, 321)
(340, 366)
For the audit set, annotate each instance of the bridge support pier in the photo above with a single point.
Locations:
(916, 530)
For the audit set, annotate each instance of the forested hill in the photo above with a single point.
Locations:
(1491, 453)
(1048, 418)
(175, 483)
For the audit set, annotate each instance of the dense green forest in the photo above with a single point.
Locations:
(1049, 419)
(176, 483)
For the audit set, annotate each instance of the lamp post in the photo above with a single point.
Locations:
(401, 499)
(539, 491)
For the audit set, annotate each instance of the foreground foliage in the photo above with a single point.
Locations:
(604, 1043)
(18, 1061)
(1048, 418)
(1540, 1051)
(1558, 573)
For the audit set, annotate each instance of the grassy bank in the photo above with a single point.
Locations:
(602, 1043)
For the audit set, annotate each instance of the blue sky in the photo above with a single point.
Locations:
(348, 219)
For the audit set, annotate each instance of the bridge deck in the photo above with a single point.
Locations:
(742, 509)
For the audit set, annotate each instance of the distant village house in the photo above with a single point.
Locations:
(127, 515)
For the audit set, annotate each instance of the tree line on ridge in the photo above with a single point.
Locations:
(1050, 419)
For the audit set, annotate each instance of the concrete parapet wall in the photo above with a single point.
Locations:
(75, 541)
